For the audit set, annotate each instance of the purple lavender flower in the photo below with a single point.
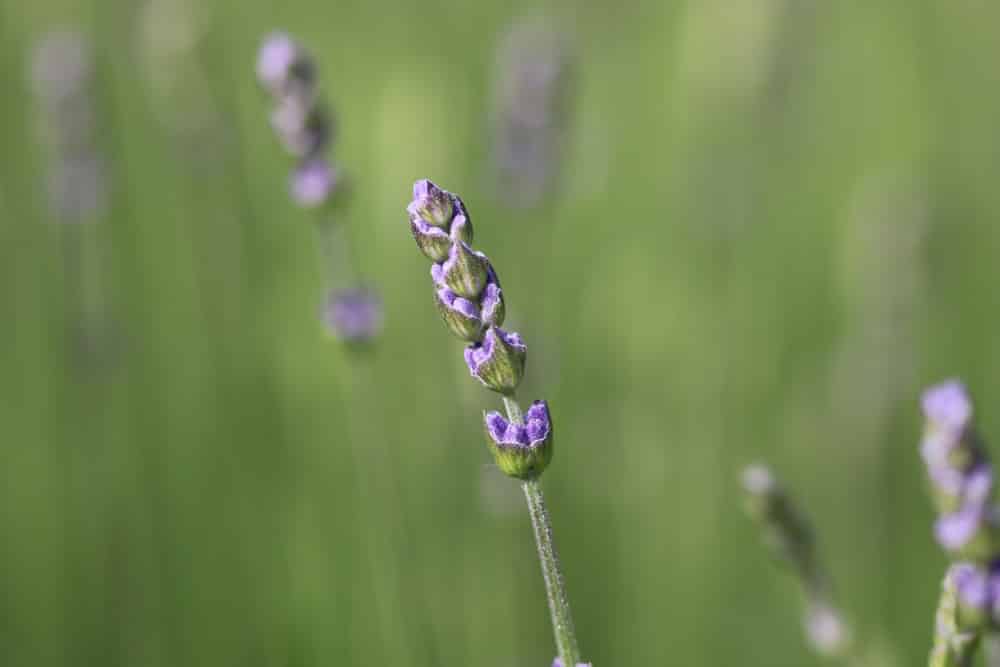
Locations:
(498, 361)
(61, 76)
(558, 663)
(960, 475)
(283, 64)
(468, 295)
(521, 450)
(467, 289)
(312, 182)
(962, 482)
(299, 119)
(354, 315)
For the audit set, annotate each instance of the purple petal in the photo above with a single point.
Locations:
(354, 314)
(312, 183)
(954, 531)
(979, 485)
(947, 405)
(457, 303)
(973, 585)
(276, 57)
(538, 424)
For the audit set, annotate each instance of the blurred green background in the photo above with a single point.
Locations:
(780, 219)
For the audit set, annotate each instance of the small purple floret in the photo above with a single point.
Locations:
(477, 355)
(312, 183)
(275, 60)
(558, 663)
(457, 303)
(354, 314)
(533, 433)
(947, 405)
(956, 530)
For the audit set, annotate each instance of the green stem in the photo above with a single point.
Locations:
(555, 586)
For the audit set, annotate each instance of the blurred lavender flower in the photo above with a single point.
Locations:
(531, 100)
(789, 536)
(962, 482)
(62, 78)
(287, 72)
(354, 315)
(558, 663)
(299, 119)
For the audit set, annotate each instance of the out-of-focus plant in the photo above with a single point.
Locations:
(305, 126)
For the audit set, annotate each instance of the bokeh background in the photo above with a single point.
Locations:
(777, 220)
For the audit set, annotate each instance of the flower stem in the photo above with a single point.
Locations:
(562, 619)
(555, 587)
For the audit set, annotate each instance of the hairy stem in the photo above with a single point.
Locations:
(555, 587)
(562, 619)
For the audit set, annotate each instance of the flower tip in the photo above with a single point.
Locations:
(947, 405)
(758, 480)
(277, 54)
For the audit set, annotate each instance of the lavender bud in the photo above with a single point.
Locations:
(558, 663)
(521, 450)
(283, 65)
(431, 204)
(464, 272)
(313, 182)
(354, 315)
(302, 126)
(462, 316)
(826, 629)
(960, 475)
(433, 241)
(974, 595)
(497, 362)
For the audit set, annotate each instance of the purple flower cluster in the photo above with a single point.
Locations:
(354, 315)
(559, 663)
(466, 287)
(287, 72)
(62, 77)
(962, 481)
(470, 300)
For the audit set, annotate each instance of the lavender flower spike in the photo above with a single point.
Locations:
(968, 527)
(960, 475)
(354, 315)
(469, 298)
(521, 450)
(559, 663)
(789, 536)
(299, 118)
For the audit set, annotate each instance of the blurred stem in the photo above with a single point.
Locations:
(952, 646)
(555, 586)
(991, 645)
